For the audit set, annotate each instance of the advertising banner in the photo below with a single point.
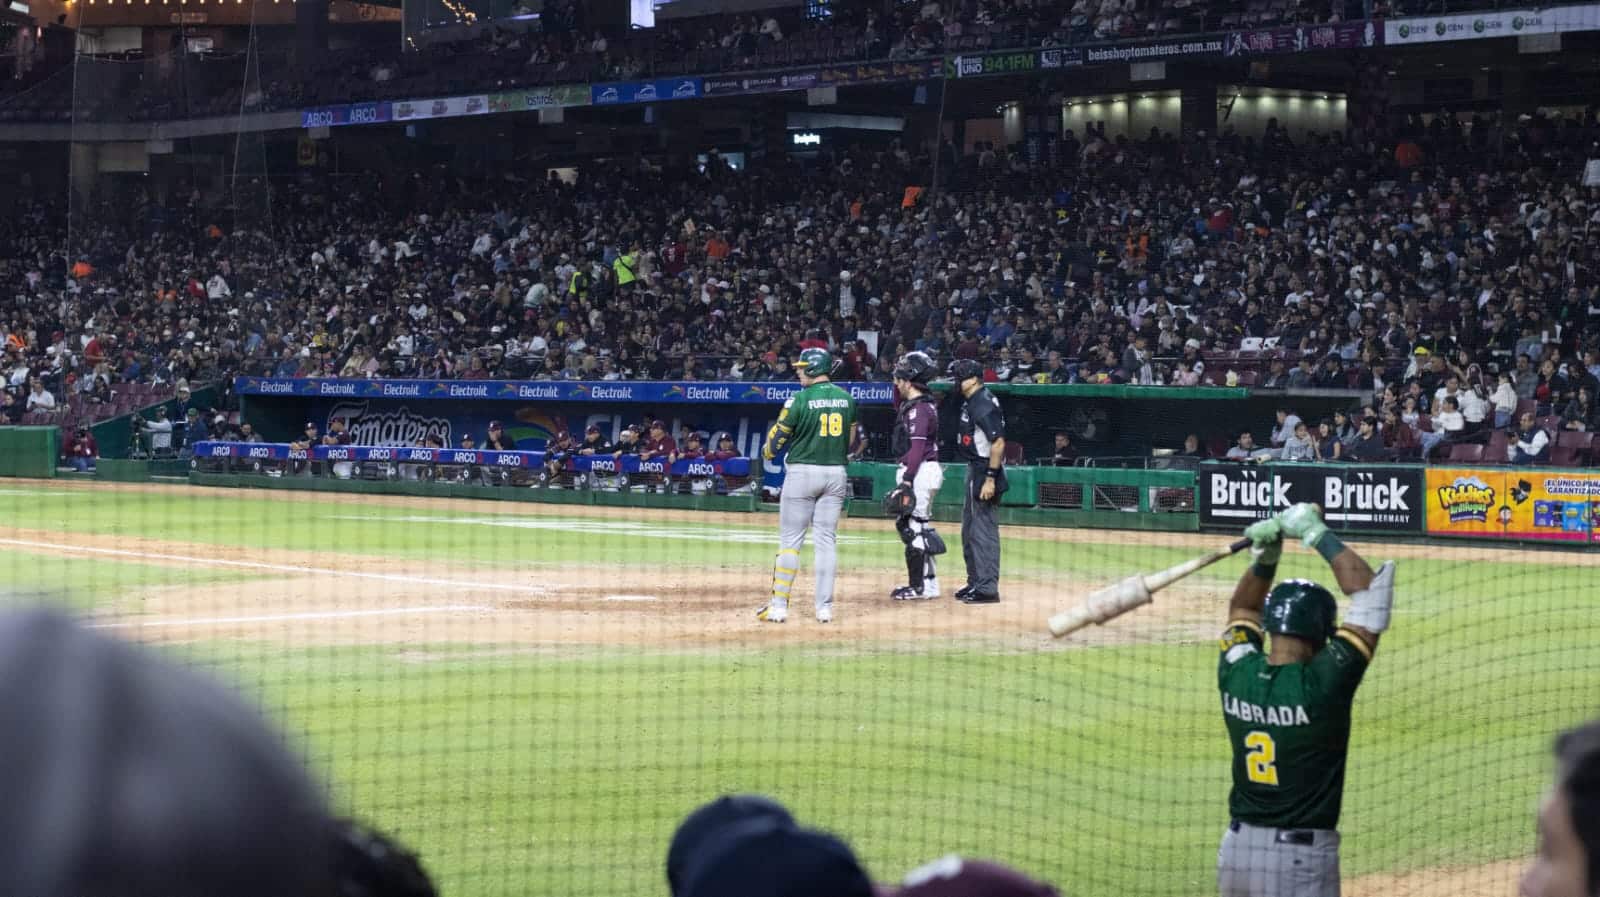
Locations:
(280, 451)
(726, 87)
(1512, 503)
(619, 92)
(653, 391)
(441, 107)
(1305, 38)
(562, 96)
(980, 65)
(1153, 51)
(1354, 497)
(1491, 23)
(351, 114)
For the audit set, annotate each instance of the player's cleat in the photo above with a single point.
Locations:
(980, 598)
(964, 593)
(930, 588)
(773, 613)
(825, 615)
(907, 593)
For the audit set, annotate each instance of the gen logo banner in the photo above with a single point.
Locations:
(1354, 497)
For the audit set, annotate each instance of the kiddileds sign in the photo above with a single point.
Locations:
(1512, 503)
(1354, 497)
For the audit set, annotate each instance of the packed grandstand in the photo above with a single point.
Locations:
(1384, 261)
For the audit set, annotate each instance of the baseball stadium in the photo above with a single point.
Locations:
(449, 447)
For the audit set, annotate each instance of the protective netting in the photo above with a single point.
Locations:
(529, 674)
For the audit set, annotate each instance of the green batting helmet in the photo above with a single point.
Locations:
(815, 363)
(1302, 608)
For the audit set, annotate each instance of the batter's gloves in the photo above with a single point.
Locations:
(1304, 522)
(1266, 541)
(899, 501)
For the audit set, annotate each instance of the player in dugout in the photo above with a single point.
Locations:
(1287, 708)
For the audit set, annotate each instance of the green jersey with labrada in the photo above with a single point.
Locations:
(1289, 727)
(816, 424)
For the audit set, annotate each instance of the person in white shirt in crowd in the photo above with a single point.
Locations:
(1504, 400)
(40, 398)
(217, 288)
(1474, 400)
(1448, 426)
(1530, 444)
(1287, 421)
(159, 431)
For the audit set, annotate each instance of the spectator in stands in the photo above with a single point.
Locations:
(1580, 412)
(1299, 446)
(1325, 442)
(127, 773)
(1530, 444)
(1304, 376)
(1287, 422)
(1448, 427)
(160, 433)
(1192, 448)
(1245, 449)
(40, 399)
(82, 450)
(1065, 454)
(1504, 400)
(1368, 445)
(1567, 862)
(247, 433)
(194, 430)
(1399, 438)
(953, 876)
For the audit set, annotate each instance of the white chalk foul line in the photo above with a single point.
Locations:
(284, 618)
(275, 568)
(629, 598)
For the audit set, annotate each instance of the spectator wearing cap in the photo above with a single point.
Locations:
(771, 857)
(194, 430)
(82, 451)
(724, 450)
(557, 452)
(953, 876)
(708, 822)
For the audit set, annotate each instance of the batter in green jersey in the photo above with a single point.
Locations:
(814, 427)
(1287, 709)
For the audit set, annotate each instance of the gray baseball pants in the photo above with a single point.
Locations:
(1269, 862)
(980, 536)
(813, 498)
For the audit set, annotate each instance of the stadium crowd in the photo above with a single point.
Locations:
(561, 46)
(1161, 261)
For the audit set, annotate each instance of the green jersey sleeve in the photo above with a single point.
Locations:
(1241, 639)
(1337, 669)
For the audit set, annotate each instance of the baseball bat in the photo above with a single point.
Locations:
(1115, 600)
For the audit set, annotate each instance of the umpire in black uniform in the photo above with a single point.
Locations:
(982, 444)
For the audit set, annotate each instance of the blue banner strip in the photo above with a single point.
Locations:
(281, 451)
(641, 391)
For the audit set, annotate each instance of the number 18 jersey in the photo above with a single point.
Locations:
(1289, 727)
(818, 420)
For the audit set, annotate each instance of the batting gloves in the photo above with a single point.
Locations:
(1304, 522)
(1266, 542)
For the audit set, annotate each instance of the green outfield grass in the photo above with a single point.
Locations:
(515, 771)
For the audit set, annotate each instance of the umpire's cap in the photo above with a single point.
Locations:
(815, 362)
(1301, 608)
(706, 821)
(964, 369)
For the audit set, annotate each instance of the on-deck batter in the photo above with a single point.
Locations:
(1288, 711)
(815, 427)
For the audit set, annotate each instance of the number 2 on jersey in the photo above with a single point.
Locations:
(1260, 765)
(832, 424)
